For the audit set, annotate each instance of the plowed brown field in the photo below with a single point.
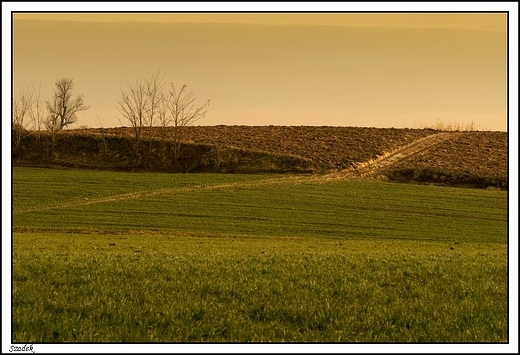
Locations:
(482, 153)
(400, 154)
(330, 148)
(467, 154)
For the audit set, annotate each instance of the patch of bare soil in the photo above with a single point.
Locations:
(421, 155)
(330, 148)
(478, 158)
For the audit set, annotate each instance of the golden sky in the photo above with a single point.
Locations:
(341, 69)
(479, 21)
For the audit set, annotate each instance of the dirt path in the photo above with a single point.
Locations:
(366, 170)
(373, 168)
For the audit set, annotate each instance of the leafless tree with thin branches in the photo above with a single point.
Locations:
(63, 108)
(164, 115)
(147, 103)
(154, 86)
(22, 105)
(183, 112)
(134, 105)
(37, 112)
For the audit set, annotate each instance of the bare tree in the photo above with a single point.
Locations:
(22, 105)
(183, 113)
(154, 87)
(164, 115)
(134, 105)
(37, 112)
(63, 108)
(164, 121)
(145, 103)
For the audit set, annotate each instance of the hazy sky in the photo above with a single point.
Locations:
(341, 69)
(479, 21)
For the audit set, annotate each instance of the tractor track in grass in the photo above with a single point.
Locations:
(153, 193)
(366, 170)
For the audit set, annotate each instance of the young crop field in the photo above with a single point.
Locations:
(149, 257)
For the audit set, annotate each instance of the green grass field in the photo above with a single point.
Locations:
(112, 256)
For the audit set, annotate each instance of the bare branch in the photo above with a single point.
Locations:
(21, 109)
(147, 103)
(154, 87)
(133, 105)
(62, 109)
(37, 111)
(22, 105)
(183, 113)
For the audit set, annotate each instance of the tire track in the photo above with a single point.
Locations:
(374, 167)
(153, 193)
